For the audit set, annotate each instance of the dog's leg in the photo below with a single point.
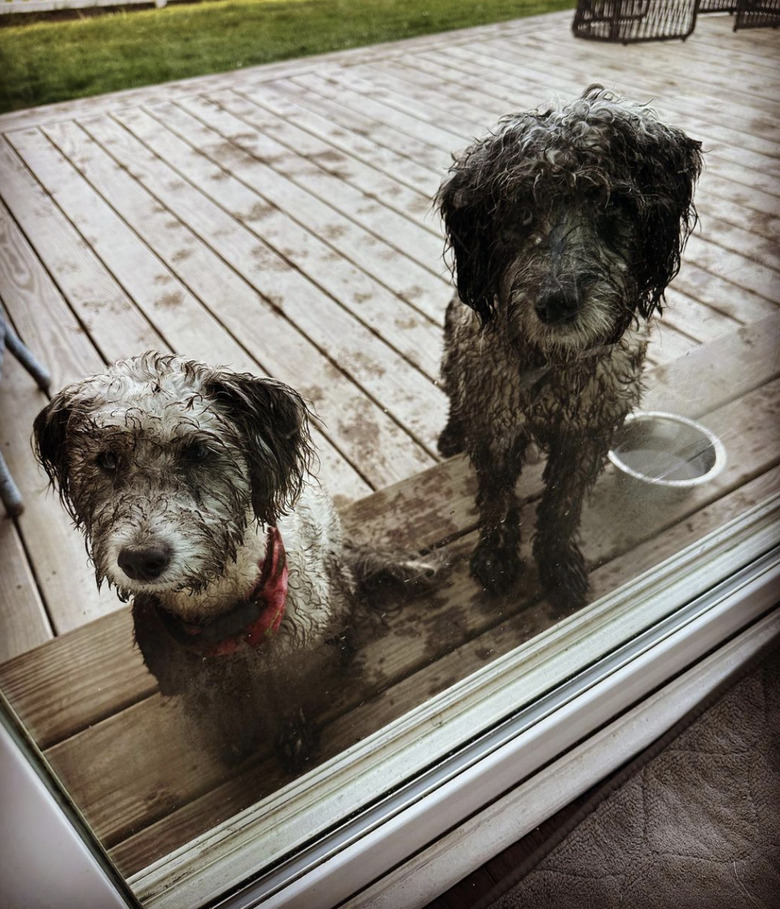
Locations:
(573, 466)
(495, 562)
(452, 439)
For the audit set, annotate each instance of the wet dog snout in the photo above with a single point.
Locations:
(557, 307)
(144, 563)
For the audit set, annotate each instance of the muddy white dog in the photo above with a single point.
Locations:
(192, 487)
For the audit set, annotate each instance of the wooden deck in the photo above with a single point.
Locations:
(279, 220)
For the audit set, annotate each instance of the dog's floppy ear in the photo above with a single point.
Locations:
(467, 209)
(50, 433)
(274, 423)
(666, 165)
(473, 202)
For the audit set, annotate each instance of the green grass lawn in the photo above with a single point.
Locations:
(45, 61)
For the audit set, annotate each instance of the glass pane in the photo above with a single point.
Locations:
(278, 222)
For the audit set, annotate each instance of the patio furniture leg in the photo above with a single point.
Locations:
(24, 356)
(9, 492)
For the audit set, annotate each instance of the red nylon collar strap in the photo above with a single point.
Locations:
(252, 622)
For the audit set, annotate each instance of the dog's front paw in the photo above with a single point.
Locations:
(563, 575)
(296, 742)
(450, 440)
(496, 566)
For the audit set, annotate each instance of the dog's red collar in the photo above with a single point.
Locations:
(252, 622)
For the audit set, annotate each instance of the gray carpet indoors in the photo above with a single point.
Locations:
(693, 823)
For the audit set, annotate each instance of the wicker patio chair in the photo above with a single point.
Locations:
(718, 6)
(757, 14)
(634, 20)
(749, 13)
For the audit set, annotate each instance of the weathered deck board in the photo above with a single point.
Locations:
(412, 335)
(162, 293)
(27, 625)
(455, 88)
(49, 541)
(459, 69)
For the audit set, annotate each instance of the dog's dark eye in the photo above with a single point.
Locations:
(614, 220)
(108, 460)
(518, 226)
(619, 206)
(195, 453)
(523, 219)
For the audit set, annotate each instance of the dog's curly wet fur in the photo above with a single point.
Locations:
(175, 471)
(566, 225)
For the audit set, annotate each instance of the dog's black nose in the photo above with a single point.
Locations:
(558, 306)
(144, 563)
